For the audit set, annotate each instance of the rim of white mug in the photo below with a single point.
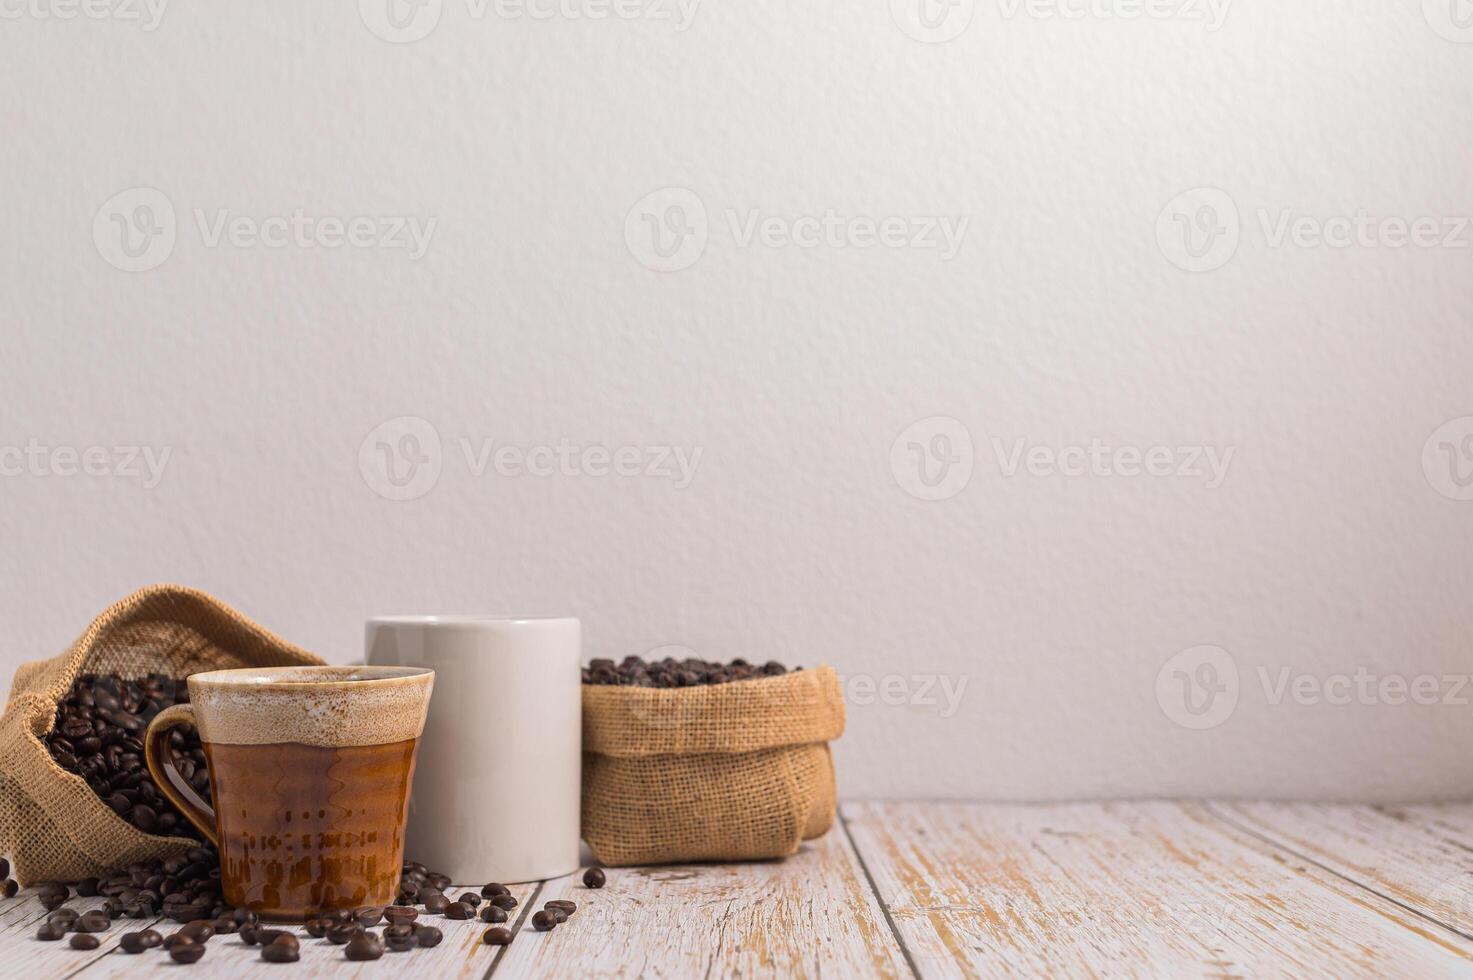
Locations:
(464, 619)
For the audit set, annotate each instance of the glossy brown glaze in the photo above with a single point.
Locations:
(305, 828)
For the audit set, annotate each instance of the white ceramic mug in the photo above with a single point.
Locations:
(497, 784)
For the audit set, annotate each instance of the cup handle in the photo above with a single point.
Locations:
(167, 778)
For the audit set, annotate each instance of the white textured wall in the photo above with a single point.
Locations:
(1054, 148)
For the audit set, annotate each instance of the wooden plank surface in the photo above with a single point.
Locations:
(809, 916)
(462, 954)
(1419, 856)
(1133, 889)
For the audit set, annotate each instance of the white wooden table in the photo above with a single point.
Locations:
(956, 889)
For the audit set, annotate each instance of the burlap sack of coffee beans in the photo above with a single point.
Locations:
(724, 772)
(51, 822)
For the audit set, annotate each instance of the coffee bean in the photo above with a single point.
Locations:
(428, 936)
(438, 880)
(493, 914)
(186, 952)
(459, 910)
(137, 942)
(435, 904)
(225, 926)
(10, 887)
(316, 928)
(179, 939)
(564, 904)
(594, 878)
(87, 887)
(50, 932)
(244, 916)
(4, 867)
(558, 914)
(400, 913)
(199, 930)
(284, 949)
(93, 921)
(65, 918)
(399, 929)
(544, 920)
(507, 902)
(84, 940)
(362, 947)
(400, 944)
(341, 933)
(268, 936)
(669, 672)
(497, 936)
(470, 898)
(493, 889)
(368, 915)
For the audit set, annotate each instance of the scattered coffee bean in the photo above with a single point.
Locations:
(50, 932)
(186, 952)
(317, 928)
(268, 936)
(594, 878)
(178, 939)
(93, 921)
(4, 867)
(65, 918)
(87, 887)
(245, 916)
(435, 904)
(341, 933)
(493, 889)
(225, 926)
(439, 881)
(137, 942)
(471, 899)
(544, 920)
(691, 672)
(459, 910)
(562, 903)
(493, 914)
(507, 902)
(199, 930)
(85, 940)
(400, 944)
(497, 936)
(364, 946)
(559, 916)
(428, 936)
(401, 913)
(10, 887)
(281, 951)
(368, 915)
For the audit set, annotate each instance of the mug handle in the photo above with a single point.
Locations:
(167, 778)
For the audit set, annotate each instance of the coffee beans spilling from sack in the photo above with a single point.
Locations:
(98, 735)
(691, 672)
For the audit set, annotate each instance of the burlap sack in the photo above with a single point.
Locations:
(51, 823)
(727, 772)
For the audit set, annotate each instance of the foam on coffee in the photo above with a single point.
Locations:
(327, 706)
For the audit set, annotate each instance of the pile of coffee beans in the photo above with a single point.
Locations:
(98, 734)
(691, 672)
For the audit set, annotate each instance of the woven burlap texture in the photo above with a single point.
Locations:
(736, 771)
(51, 823)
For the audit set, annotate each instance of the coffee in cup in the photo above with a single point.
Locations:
(310, 773)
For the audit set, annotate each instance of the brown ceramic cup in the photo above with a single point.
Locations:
(310, 773)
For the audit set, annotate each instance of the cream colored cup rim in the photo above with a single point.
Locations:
(346, 677)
